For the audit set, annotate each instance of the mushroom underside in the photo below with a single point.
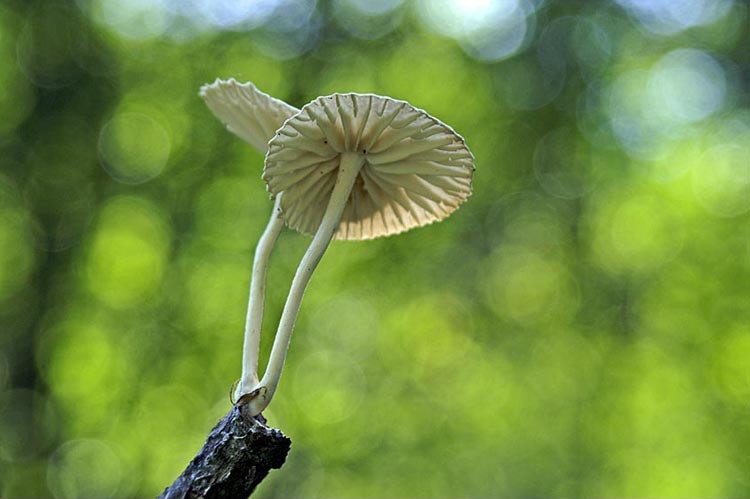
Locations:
(416, 170)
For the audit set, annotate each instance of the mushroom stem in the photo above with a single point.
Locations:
(350, 165)
(254, 318)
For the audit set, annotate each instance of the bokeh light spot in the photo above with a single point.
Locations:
(230, 212)
(671, 307)
(529, 288)
(128, 252)
(232, 14)
(16, 252)
(368, 20)
(664, 413)
(328, 386)
(630, 116)
(16, 242)
(217, 283)
(527, 86)
(291, 30)
(345, 324)
(375, 8)
(135, 19)
(672, 161)
(496, 44)
(84, 468)
(637, 232)
(686, 85)
(488, 30)
(426, 338)
(457, 18)
(648, 109)
(86, 368)
(562, 164)
(669, 17)
(721, 179)
(592, 45)
(134, 148)
(731, 366)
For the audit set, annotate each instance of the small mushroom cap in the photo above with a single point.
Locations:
(417, 170)
(247, 112)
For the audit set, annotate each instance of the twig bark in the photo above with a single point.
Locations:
(237, 456)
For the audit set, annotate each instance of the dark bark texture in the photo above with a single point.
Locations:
(237, 456)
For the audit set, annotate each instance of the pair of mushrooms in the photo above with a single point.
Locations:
(348, 166)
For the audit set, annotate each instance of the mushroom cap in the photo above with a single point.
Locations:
(417, 170)
(252, 115)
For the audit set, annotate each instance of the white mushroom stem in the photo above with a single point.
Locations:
(254, 319)
(350, 165)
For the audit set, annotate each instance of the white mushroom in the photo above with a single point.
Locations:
(253, 116)
(357, 167)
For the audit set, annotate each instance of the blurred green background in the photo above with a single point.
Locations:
(581, 327)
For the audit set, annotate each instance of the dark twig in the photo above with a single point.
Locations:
(237, 456)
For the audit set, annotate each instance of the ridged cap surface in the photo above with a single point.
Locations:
(252, 115)
(417, 169)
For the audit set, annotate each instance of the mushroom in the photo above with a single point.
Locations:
(254, 117)
(354, 166)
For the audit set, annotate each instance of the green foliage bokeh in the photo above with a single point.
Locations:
(580, 327)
